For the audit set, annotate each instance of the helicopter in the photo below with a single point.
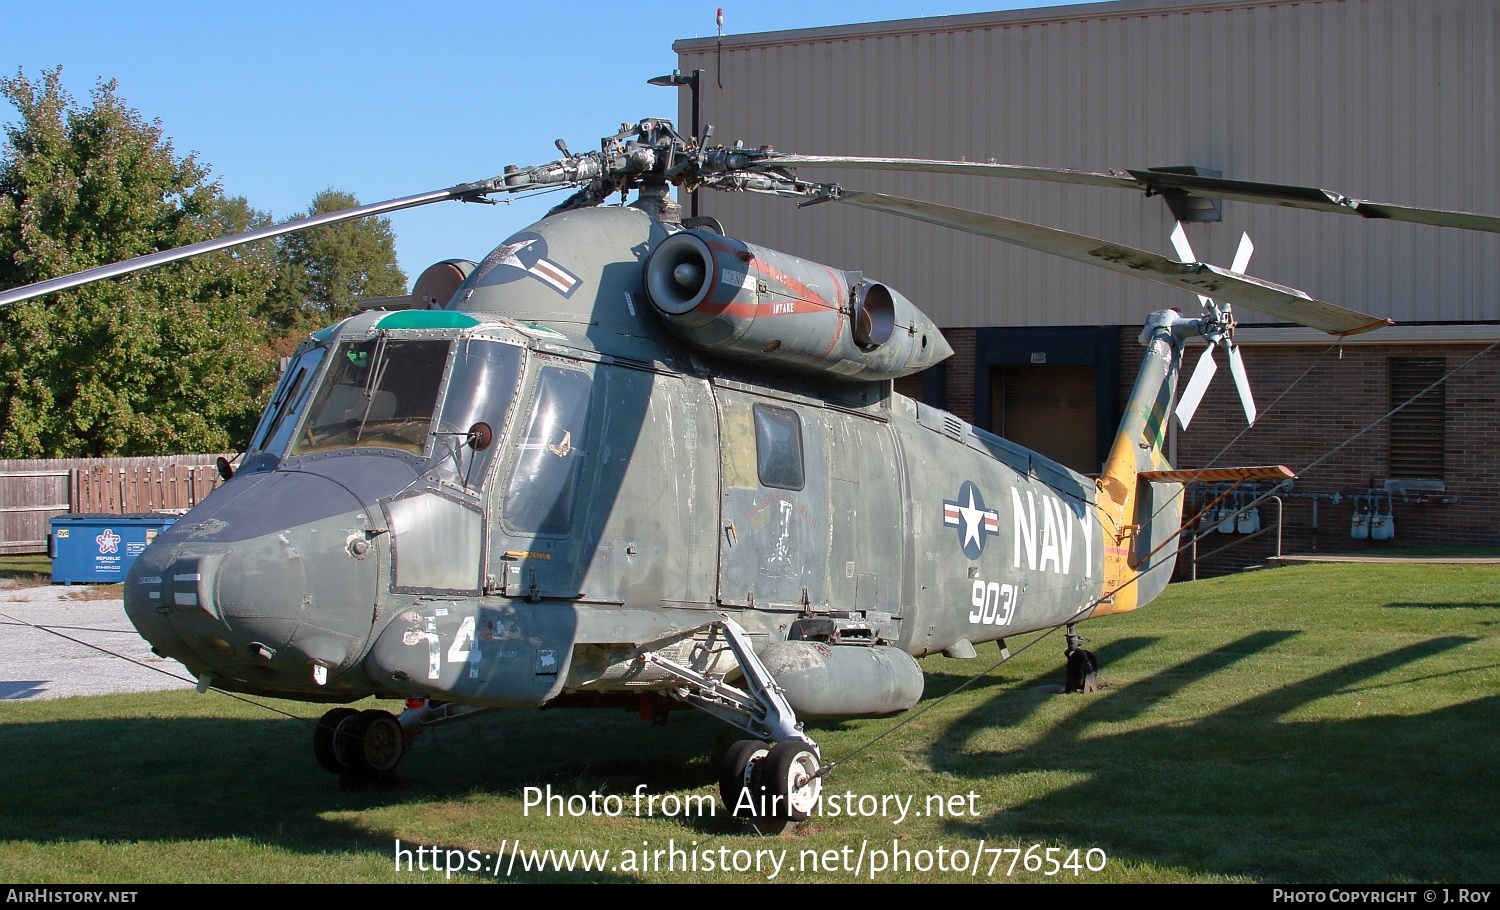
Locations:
(627, 460)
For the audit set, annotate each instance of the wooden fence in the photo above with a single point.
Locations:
(32, 490)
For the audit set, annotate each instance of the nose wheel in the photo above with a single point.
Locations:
(323, 735)
(364, 743)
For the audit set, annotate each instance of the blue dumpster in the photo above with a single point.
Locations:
(100, 548)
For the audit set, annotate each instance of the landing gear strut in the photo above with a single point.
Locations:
(1083, 667)
(773, 787)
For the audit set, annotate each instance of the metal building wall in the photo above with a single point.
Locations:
(1391, 100)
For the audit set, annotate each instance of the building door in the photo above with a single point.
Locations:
(1051, 410)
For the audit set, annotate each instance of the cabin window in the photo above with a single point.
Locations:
(778, 447)
(549, 459)
(380, 392)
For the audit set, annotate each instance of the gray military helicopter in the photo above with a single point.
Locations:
(628, 460)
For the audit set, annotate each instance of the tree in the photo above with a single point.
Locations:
(167, 360)
(324, 272)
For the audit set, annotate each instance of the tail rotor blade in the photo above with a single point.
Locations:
(1181, 245)
(1192, 396)
(1242, 255)
(1185, 251)
(1242, 383)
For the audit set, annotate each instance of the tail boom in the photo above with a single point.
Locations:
(1141, 516)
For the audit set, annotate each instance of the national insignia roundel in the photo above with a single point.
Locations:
(974, 522)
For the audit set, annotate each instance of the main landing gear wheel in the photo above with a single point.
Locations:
(364, 743)
(736, 772)
(787, 782)
(323, 735)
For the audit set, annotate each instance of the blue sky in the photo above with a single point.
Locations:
(385, 99)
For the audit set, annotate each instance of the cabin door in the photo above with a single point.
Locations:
(773, 549)
(866, 543)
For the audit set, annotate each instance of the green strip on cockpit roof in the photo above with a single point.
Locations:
(427, 319)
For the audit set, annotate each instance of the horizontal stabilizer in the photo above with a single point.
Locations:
(1276, 472)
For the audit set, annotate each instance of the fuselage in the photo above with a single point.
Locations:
(506, 501)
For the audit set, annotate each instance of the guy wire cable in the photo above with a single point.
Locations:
(147, 666)
(1083, 610)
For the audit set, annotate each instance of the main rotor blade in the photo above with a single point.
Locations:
(1153, 182)
(1194, 277)
(1115, 179)
(1309, 197)
(116, 269)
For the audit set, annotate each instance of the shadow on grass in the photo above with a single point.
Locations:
(1047, 682)
(1253, 788)
(1258, 787)
(1408, 605)
(176, 779)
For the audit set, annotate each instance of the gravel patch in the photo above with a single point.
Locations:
(37, 664)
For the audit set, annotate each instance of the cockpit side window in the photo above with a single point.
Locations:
(549, 460)
(380, 392)
(285, 409)
(481, 386)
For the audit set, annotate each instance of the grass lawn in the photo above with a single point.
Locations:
(1317, 723)
(28, 570)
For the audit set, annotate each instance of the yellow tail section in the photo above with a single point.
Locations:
(1141, 519)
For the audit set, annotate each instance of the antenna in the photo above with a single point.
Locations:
(719, 65)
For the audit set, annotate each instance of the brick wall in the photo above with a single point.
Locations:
(959, 376)
(1336, 399)
(1313, 399)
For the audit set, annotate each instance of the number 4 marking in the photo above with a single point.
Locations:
(463, 642)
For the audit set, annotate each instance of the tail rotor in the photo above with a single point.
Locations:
(1218, 330)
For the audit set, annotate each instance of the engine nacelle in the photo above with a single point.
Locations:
(822, 680)
(725, 296)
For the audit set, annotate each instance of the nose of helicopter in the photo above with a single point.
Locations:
(270, 585)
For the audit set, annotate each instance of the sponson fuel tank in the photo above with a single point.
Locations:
(725, 296)
(821, 680)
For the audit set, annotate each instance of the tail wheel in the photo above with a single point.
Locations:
(736, 772)
(1083, 672)
(323, 740)
(787, 779)
(370, 743)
